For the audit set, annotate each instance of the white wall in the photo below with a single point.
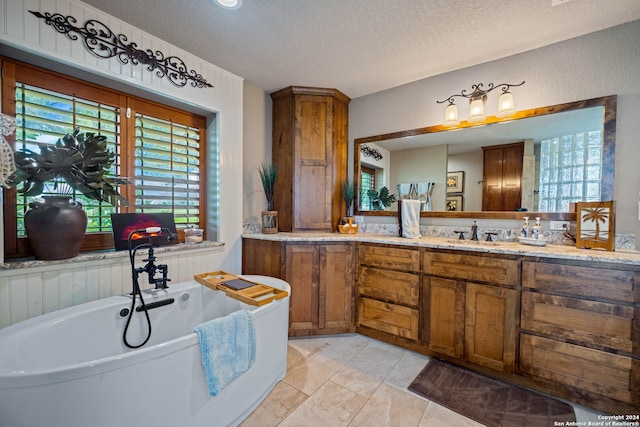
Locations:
(428, 164)
(25, 290)
(257, 150)
(471, 163)
(595, 65)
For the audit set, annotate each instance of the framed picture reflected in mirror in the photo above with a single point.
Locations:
(454, 203)
(455, 182)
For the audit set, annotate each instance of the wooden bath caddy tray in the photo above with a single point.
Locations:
(241, 289)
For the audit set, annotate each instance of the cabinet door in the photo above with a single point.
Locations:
(446, 316)
(336, 296)
(490, 329)
(501, 188)
(313, 163)
(302, 274)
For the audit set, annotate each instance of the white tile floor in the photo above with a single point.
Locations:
(353, 380)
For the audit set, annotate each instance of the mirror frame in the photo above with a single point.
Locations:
(608, 147)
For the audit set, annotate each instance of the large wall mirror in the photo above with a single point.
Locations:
(563, 153)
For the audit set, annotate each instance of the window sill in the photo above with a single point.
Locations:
(103, 255)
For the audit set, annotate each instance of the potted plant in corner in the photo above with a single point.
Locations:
(78, 163)
(268, 175)
(346, 224)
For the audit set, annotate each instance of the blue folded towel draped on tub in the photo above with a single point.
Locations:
(228, 347)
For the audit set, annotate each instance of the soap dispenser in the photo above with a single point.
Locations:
(535, 231)
(524, 231)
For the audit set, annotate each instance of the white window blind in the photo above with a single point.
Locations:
(167, 169)
(43, 116)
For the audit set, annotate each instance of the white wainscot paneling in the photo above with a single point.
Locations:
(30, 292)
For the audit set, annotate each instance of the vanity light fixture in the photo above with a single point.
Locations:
(229, 4)
(477, 98)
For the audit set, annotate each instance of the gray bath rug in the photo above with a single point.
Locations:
(487, 400)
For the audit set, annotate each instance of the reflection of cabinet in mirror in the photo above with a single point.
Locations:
(502, 176)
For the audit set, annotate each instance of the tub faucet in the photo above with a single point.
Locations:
(151, 268)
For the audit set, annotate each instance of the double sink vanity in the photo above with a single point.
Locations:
(557, 319)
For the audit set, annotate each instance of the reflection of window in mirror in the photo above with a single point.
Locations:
(367, 182)
(570, 170)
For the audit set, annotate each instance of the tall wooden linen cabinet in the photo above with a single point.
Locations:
(310, 131)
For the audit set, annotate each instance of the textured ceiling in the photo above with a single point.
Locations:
(363, 46)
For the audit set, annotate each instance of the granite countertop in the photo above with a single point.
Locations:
(102, 255)
(620, 256)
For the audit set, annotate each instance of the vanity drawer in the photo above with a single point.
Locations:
(594, 282)
(591, 323)
(393, 286)
(389, 257)
(474, 268)
(581, 368)
(391, 318)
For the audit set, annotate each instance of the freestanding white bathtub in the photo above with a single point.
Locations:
(70, 368)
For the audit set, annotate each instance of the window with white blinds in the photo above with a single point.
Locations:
(167, 169)
(42, 117)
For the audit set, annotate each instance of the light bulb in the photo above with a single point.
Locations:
(229, 4)
(451, 116)
(505, 105)
(476, 113)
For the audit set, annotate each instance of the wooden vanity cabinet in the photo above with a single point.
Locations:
(321, 276)
(310, 151)
(388, 287)
(580, 331)
(472, 308)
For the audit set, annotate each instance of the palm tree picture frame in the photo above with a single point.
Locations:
(595, 225)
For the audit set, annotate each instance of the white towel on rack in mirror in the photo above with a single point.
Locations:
(411, 219)
(404, 191)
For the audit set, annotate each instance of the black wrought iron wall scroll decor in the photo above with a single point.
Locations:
(370, 152)
(104, 43)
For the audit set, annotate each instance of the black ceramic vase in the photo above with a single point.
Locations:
(55, 227)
